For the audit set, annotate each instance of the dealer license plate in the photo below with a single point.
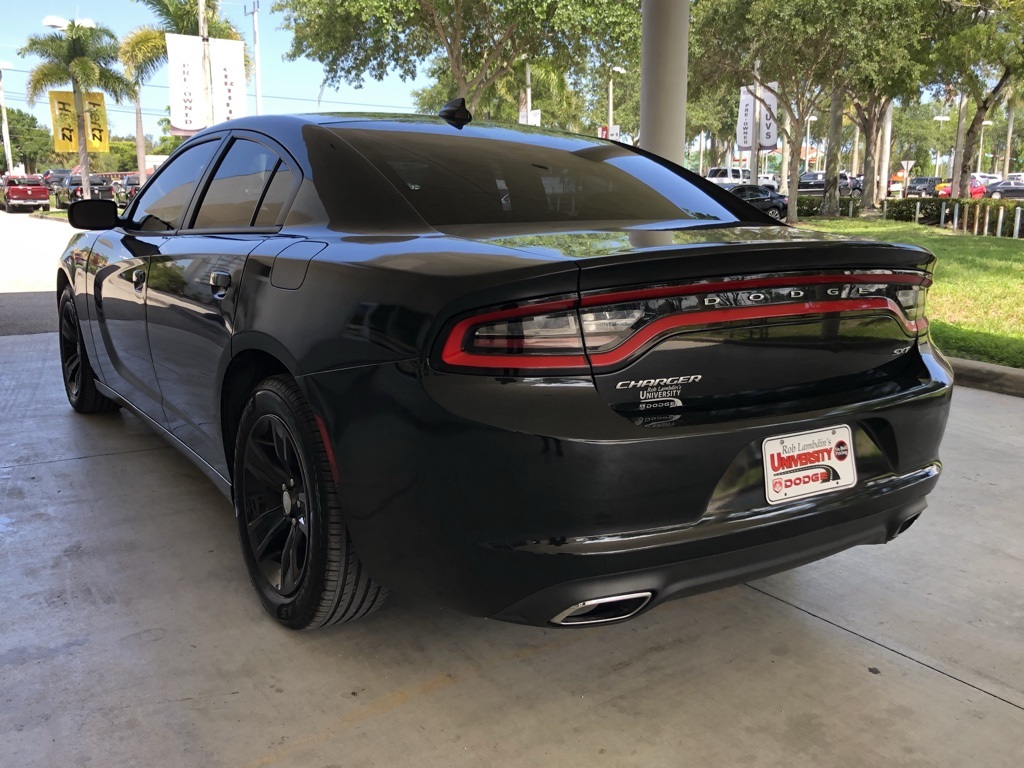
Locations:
(808, 463)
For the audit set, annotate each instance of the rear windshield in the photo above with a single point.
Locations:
(499, 176)
(93, 180)
(24, 183)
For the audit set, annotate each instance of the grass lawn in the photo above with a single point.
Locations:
(976, 305)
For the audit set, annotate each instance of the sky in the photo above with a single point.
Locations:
(288, 86)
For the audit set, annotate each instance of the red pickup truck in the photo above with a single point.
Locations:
(25, 192)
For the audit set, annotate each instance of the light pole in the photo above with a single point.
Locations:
(807, 150)
(255, 13)
(3, 112)
(939, 119)
(981, 143)
(611, 97)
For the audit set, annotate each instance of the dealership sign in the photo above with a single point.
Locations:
(747, 123)
(189, 109)
(65, 122)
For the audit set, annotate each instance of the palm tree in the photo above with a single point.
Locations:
(84, 57)
(144, 49)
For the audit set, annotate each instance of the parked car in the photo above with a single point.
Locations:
(729, 176)
(813, 183)
(126, 189)
(1015, 177)
(539, 377)
(977, 189)
(1000, 189)
(922, 186)
(70, 190)
(54, 176)
(762, 198)
(769, 180)
(24, 192)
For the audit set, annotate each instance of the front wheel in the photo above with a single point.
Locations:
(856, 194)
(79, 378)
(996, 195)
(293, 536)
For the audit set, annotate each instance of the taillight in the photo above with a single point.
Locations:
(533, 335)
(608, 329)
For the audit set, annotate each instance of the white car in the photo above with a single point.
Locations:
(729, 176)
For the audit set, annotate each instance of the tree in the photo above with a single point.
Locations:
(561, 105)
(791, 43)
(482, 41)
(31, 143)
(84, 57)
(144, 50)
(977, 46)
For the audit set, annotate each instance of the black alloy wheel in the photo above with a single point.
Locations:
(79, 378)
(276, 504)
(293, 536)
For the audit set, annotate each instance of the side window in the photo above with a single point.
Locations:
(277, 194)
(237, 186)
(162, 206)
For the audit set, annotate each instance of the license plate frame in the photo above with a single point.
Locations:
(801, 465)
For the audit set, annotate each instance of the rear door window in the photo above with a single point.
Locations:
(237, 187)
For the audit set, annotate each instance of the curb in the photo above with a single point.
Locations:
(993, 378)
(48, 218)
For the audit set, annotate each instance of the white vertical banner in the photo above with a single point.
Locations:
(185, 67)
(185, 72)
(769, 129)
(227, 61)
(745, 121)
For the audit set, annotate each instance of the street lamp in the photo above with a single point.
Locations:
(611, 109)
(939, 119)
(3, 117)
(981, 142)
(807, 152)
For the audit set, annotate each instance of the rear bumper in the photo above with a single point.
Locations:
(28, 203)
(776, 549)
(516, 499)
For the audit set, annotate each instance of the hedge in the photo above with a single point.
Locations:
(810, 205)
(931, 213)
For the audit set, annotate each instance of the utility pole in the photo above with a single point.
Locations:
(204, 34)
(255, 13)
(3, 115)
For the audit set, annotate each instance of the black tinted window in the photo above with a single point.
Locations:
(237, 186)
(162, 205)
(495, 176)
(274, 200)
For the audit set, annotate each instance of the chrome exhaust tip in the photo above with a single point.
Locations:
(603, 610)
(905, 525)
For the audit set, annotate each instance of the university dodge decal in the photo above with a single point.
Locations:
(808, 463)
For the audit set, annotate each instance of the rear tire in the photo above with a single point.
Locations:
(775, 213)
(294, 540)
(79, 377)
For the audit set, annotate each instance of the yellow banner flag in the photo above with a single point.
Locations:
(65, 123)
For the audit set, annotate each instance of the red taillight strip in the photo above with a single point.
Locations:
(642, 294)
(453, 353)
(734, 314)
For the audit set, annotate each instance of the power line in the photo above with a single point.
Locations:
(268, 96)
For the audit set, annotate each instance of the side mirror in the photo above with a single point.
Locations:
(93, 214)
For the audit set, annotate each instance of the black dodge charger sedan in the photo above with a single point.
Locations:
(538, 377)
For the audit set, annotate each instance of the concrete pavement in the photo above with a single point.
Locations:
(29, 249)
(132, 636)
